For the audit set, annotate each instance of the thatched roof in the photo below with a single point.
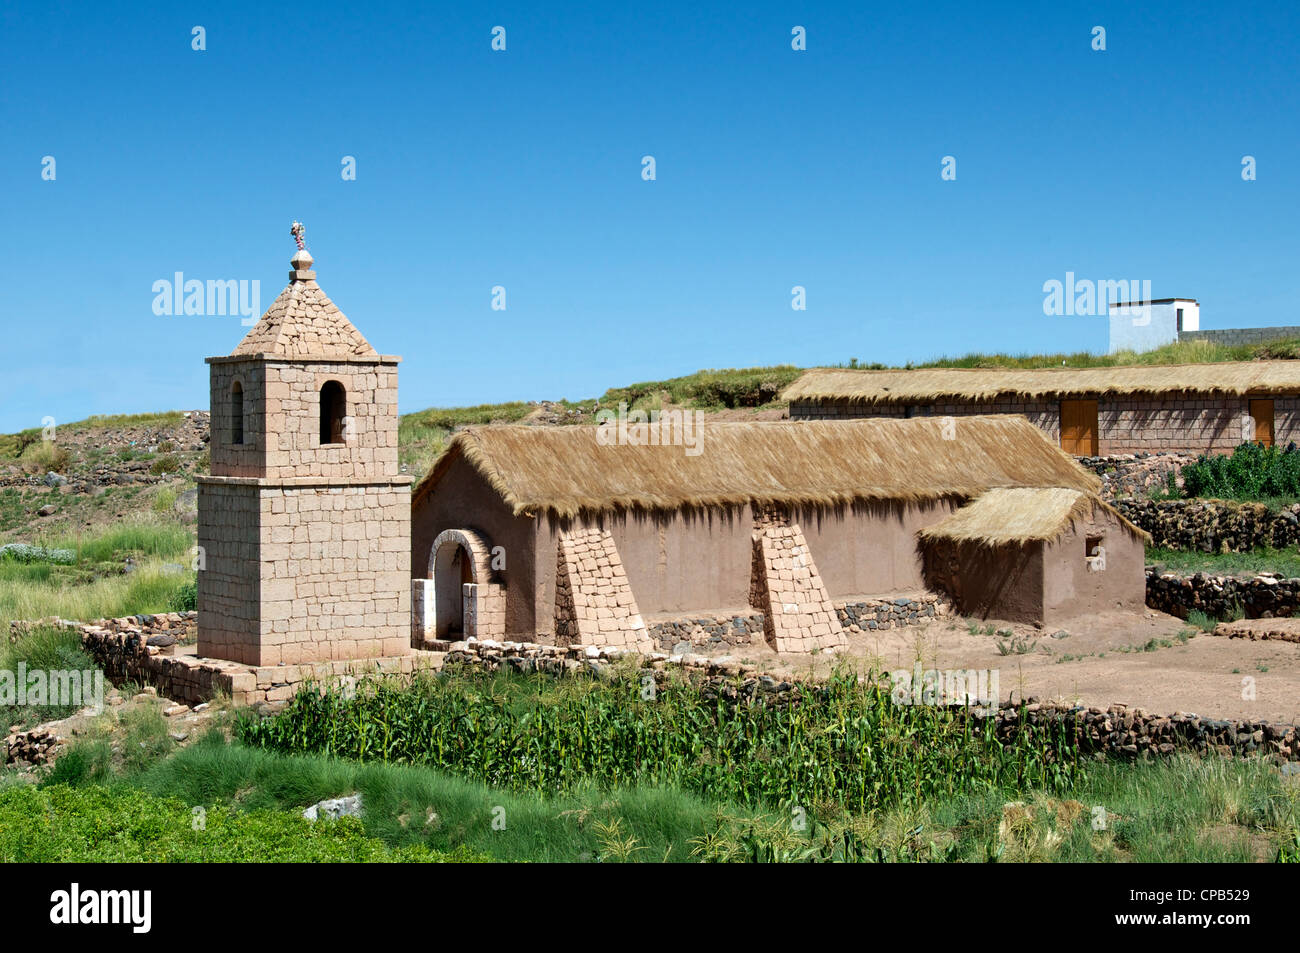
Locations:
(565, 470)
(932, 383)
(1020, 515)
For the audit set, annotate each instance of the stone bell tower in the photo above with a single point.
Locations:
(305, 522)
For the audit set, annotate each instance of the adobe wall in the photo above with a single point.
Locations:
(282, 398)
(1073, 589)
(1002, 582)
(869, 548)
(464, 500)
(699, 563)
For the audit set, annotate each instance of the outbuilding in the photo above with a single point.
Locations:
(1087, 411)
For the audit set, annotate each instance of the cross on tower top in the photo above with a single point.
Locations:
(297, 230)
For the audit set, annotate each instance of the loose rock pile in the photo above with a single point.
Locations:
(34, 746)
(1135, 474)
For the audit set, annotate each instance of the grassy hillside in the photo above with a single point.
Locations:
(1182, 352)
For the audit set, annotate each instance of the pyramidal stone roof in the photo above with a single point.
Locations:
(303, 322)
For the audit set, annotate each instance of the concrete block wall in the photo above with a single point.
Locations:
(1236, 336)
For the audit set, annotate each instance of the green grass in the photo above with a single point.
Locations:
(708, 389)
(95, 586)
(1180, 352)
(58, 824)
(1284, 561)
(163, 419)
(1184, 809)
(44, 649)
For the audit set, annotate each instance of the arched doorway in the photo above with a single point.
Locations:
(453, 568)
(463, 593)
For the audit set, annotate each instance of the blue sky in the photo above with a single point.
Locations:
(522, 169)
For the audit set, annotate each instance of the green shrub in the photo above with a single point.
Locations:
(185, 599)
(167, 463)
(27, 553)
(57, 824)
(1251, 472)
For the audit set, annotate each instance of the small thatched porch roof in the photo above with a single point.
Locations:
(1022, 515)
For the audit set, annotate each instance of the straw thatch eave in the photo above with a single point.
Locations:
(1227, 378)
(567, 472)
(1018, 515)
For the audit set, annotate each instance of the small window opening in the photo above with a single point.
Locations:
(237, 414)
(333, 408)
(1095, 553)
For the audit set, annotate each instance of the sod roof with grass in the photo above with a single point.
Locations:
(567, 470)
(1234, 378)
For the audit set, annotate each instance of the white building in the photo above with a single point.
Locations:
(1146, 325)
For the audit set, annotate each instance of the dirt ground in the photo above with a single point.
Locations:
(1096, 661)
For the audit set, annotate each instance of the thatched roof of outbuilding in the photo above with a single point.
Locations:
(1022, 514)
(1234, 378)
(567, 470)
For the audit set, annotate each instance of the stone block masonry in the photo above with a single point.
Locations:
(282, 439)
(861, 615)
(798, 615)
(303, 570)
(593, 599)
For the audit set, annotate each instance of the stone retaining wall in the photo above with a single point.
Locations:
(860, 616)
(163, 629)
(126, 651)
(1213, 526)
(1118, 730)
(1267, 596)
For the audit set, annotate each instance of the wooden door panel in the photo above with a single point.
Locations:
(1261, 411)
(1079, 427)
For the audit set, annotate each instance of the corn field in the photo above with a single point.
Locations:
(844, 742)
